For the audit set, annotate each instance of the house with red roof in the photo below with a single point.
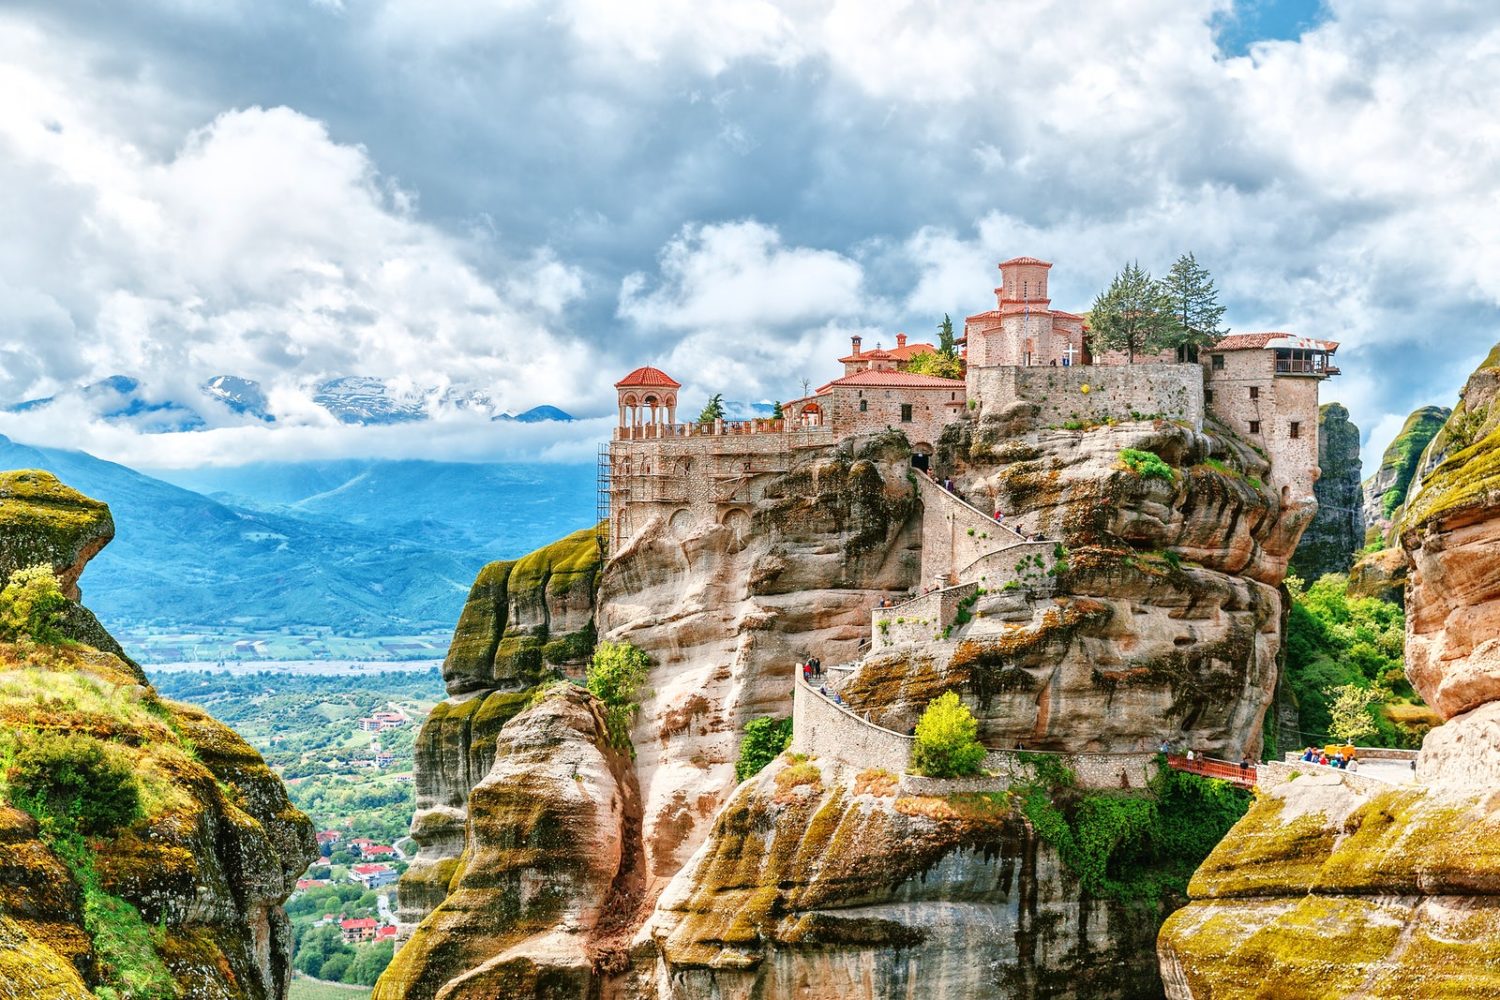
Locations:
(373, 876)
(358, 929)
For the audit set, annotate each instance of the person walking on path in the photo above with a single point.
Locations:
(817, 666)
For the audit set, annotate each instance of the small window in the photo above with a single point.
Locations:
(864, 404)
(1218, 362)
(1296, 429)
(1255, 392)
(1255, 427)
(1208, 395)
(906, 413)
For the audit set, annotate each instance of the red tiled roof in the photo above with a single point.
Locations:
(889, 379)
(389, 930)
(1067, 315)
(912, 350)
(648, 376)
(1024, 260)
(1274, 338)
(370, 869)
(350, 924)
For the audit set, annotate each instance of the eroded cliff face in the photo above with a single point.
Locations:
(187, 896)
(544, 897)
(1166, 619)
(1337, 533)
(1343, 887)
(821, 881)
(1385, 491)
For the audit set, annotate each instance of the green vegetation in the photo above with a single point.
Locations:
(1145, 464)
(765, 738)
(1196, 312)
(32, 605)
(1405, 452)
(1133, 847)
(1349, 712)
(304, 988)
(1133, 315)
(713, 409)
(615, 677)
(74, 778)
(1335, 641)
(323, 954)
(945, 337)
(936, 363)
(947, 744)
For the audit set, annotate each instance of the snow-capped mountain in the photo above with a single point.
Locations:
(353, 399)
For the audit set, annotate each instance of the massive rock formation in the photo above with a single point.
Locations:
(188, 895)
(1346, 887)
(1385, 490)
(821, 881)
(1337, 533)
(1166, 624)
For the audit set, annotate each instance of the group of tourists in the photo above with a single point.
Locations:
(1342, 757)
(811, 668)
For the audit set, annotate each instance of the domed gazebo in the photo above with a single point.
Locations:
(647, 395)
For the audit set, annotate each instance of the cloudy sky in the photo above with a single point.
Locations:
(532, 198)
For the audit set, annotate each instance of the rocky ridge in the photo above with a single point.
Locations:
(184, 900)
(1165, 623)
(1337, 533)
(1348, 887)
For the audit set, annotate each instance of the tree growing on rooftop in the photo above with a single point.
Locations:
(1196, 313)
(1134, 315)
(713, 409)
(935, 363)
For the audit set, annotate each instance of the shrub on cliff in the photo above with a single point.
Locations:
(947, 743)
(765, 738)
(615, 677)
(1145, 464)
(74, 780)
(32, 605)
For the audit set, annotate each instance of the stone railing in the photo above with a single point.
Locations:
(1274, 773)
(1027, 564)
(654, 432)
(1363, 753)
(825, 729)
(918, 619)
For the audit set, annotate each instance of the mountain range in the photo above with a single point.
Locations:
(359, 547)
(352, 399)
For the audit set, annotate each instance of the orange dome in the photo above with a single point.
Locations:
(648, 376)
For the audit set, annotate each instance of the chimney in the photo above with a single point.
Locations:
(855, 340)
(900, 340)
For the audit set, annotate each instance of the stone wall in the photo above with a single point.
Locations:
(955, 534)
(1015, 563)
(857, 411)
(918, 619)
(1272, 774)
(1167, 390)
(1262, 407)
(822, 728)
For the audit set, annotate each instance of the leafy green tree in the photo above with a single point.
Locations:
(334, 967)
(32, 604)
(1196, 313)
(1133, 315)
(1349, 713)
(713, 409)
(615, 676)
(945, 338)
(75, 779)
(935, 363)
(947, 744)
(777, 413)
(765, 738)
(369, 962)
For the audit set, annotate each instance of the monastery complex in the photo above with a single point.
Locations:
(1261, 386)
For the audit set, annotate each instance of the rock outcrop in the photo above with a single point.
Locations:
(545, 895)
(1165, 623)
(1337, 533)
(1351, 887)
(820, 881)
(1385, 490)
(186, 896)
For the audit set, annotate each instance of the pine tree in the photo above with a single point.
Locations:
(945, 338)
(713, 409)
(1195, 307)
(1132, 315)
(778, 413)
